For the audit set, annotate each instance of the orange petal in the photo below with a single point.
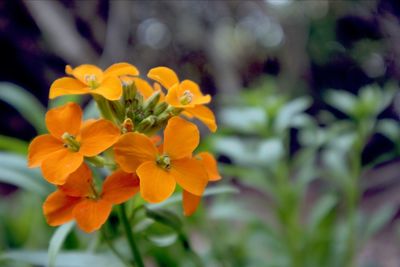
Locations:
(198, 97)
(163, 75)
(64, 119)
(58, 165)
(205, 115)
(143, 87)
(41, 147)
(58, 207)
(190, 202)
(97, 137)
(156, 184)
(132, 149)
(190, 174)
(79, 182)
(180, 138)
(92, 214)
(120, 186)
(120, 69)
(172, 97)
(83, 71)
(67, 86)
(210, 164)
(110, 88)
(68, 70)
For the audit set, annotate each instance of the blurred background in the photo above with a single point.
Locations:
(295, 84)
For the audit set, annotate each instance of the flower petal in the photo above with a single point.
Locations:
(67, 86)
(92, 214)
(78, 183)
(58, 207)
(41, 147)
(132, 149)
(190, 203)
(205, 115)
(156, 184)
(120, 186)
(180, 138)
(210, 164)
(198, 97)
(110, 88)
(58, 165)
(66, 118)
(190, 174)
(97, 137)
(83, 71)
(166, 76)
(172, 97)
(143, 87)
(120, 69)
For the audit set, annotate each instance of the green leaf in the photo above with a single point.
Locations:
(341, 100)
(165, 217)
(14, 170)
(57, 241)
(163, 240)
(289, 111)
(323, 207)
(390, 129)
(66, 259)
(91, 111)
(379, 219)
(13, 145)
(62, 100)
(25, 103)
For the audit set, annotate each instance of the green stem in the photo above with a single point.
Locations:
(112, 247)
(129, 236)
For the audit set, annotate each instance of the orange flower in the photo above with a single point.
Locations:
(160, 171)
(77, 198)
(89, 79)
(191, 202)
(186, 95)
(62, 151)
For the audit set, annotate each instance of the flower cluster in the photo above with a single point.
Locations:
(144, 138)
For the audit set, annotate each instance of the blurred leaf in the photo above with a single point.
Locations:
(13, 171)
(13, 145)
(379, 219)
(25, 103)
(341, 100)
(319, 211)
(66, 259)
(390, 129)
(91, 111)
(250, 118)
(57, 241)
(164, 240)
(165, 217)
(62, 100)
(289, 111)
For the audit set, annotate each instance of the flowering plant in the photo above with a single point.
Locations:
(144, 141)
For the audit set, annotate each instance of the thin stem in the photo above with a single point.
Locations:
(112, 247)
(129, 236)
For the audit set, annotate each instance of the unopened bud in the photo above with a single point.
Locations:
(146, 124)
(127, 125)
(151, 102)
(160, 108)
(129, 89)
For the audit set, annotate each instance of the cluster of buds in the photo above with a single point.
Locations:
(144, 140)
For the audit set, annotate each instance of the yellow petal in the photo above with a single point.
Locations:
(84, 71)
(120, 69)
(64, 119)
(165, 76)
(180, 138)
(190, 174)
(97, 137)
(132, 149)
(67, 86)
(205, 115)
(194, 89)
(156, 184)
(110, 88)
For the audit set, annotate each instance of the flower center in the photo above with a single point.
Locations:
(91, 80)
(186, 98)
(164, 161)
(70, 142)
